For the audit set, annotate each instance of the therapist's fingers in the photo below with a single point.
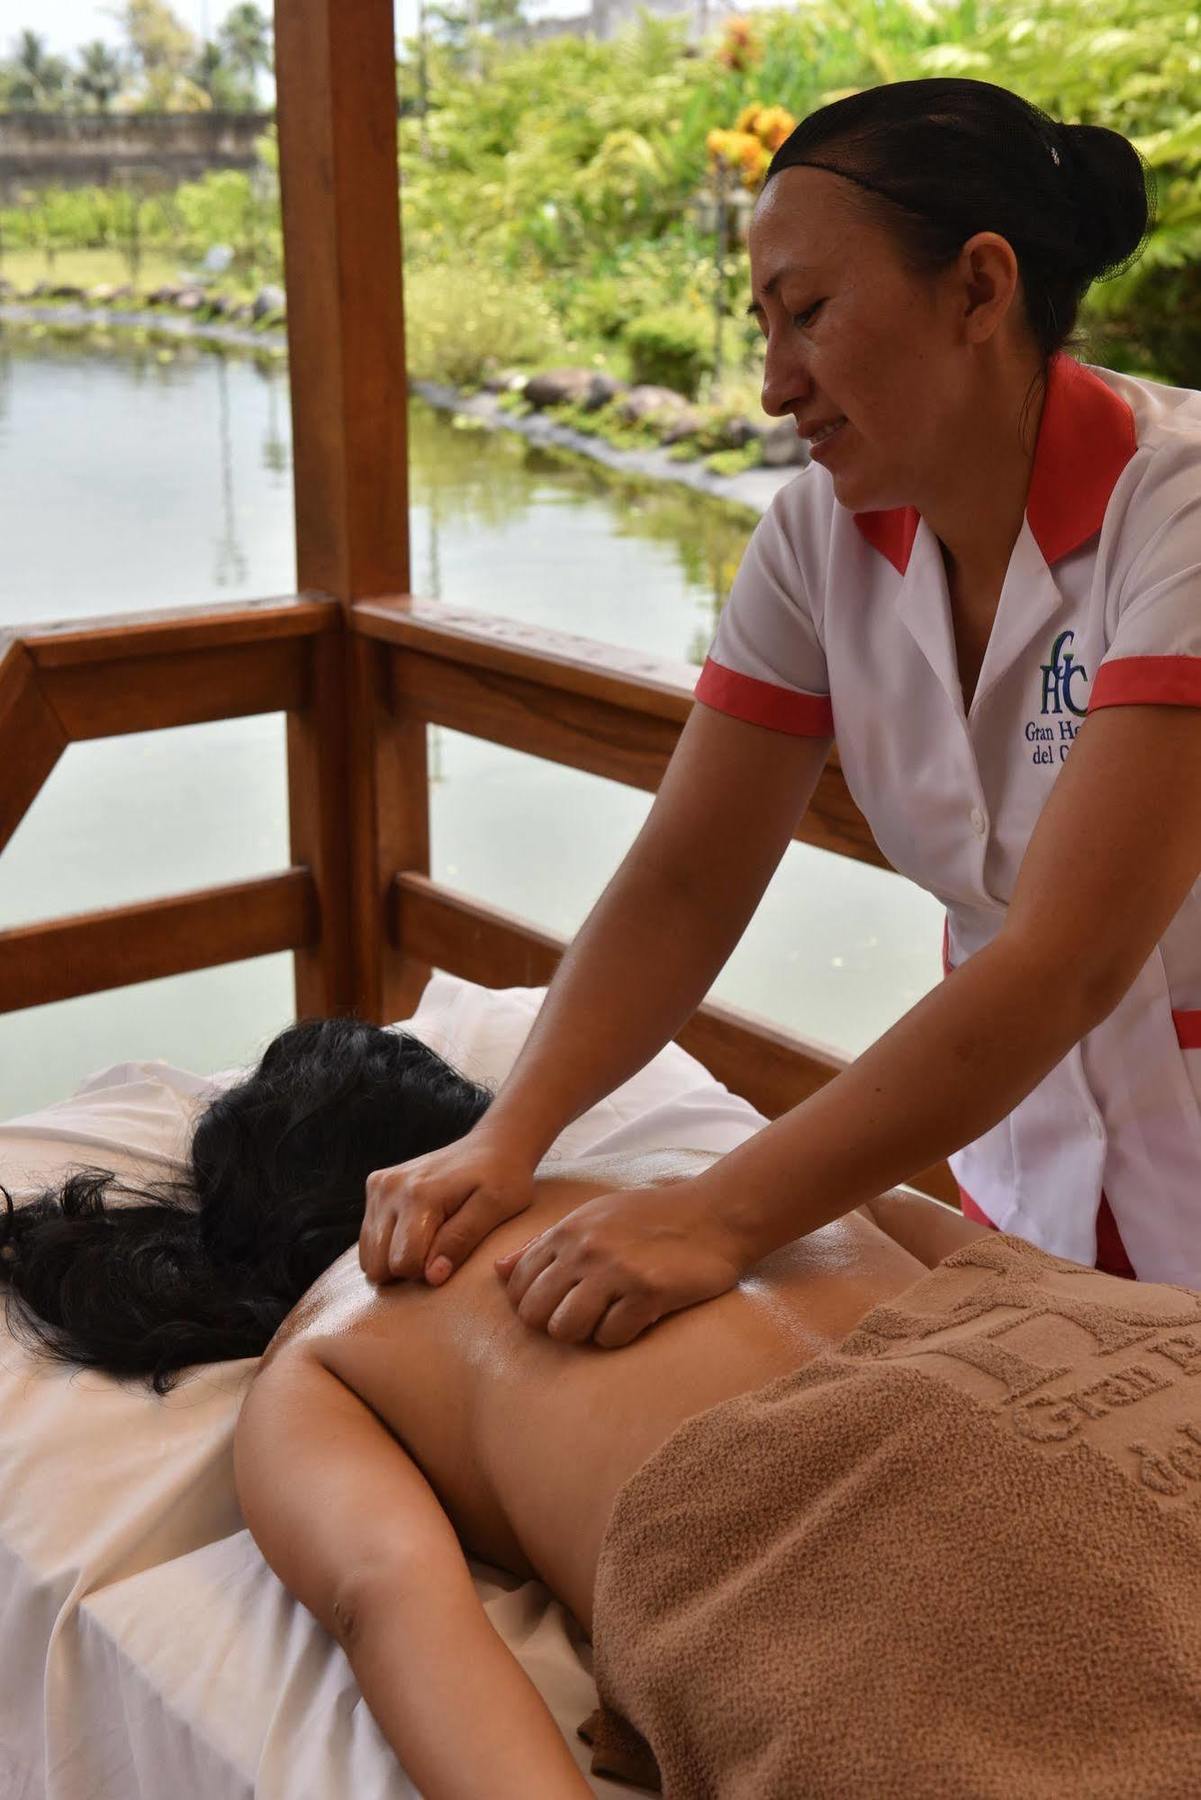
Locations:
(531, 1261)
(627, 1318)
(581, 1310)
(504, 1264)
(544, 1294)
(408, 1249)
(403, 1209)
(460, 1234)
(376, 1241)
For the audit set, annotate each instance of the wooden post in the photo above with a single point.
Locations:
(357, 775)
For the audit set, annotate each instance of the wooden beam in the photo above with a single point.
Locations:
(560, 660)
(152, 693)
(92, 952)
(569, 699)
(31, 736)
(66, 643)
(481, 943)
(335, 69)
(603, 738)
(390, 787)
(772, 1068)
(319, 833)
(335, 72)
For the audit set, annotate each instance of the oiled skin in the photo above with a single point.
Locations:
(526, 1441)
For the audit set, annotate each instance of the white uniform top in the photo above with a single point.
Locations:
(839, 622)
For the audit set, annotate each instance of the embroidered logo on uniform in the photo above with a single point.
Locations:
(1059, 699)
(1058, 676)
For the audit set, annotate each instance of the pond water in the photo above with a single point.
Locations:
(128, 482)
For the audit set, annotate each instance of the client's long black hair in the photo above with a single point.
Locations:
(208, 1267)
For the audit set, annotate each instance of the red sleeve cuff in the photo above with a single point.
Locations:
(762, 703)
(1147, 681)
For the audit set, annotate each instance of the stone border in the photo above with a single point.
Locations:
(83, 318)
(753, 489)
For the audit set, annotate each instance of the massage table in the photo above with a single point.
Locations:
(146, 1649)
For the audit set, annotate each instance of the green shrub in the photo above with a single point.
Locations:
(670, 348)
(735, 462)
(598, 308)
(461, 324)
(606, 422)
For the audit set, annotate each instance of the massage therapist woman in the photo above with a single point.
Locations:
(987, 586)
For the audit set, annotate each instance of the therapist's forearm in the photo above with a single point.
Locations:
(950, 1069)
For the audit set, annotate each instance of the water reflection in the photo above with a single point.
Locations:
(456, 481)
(276, 450)
(231, 565)
(130, 477)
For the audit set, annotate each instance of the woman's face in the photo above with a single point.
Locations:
(849, 332)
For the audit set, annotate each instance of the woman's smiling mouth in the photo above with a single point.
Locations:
(828, 430)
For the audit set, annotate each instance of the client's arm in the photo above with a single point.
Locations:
(353, 1529)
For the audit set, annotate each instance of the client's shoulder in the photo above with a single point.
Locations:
(338, 1302)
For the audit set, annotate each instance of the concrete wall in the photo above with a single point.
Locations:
(604, 19)
(611, 16)
(155, 149)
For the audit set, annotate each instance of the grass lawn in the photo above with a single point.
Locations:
(88, 268)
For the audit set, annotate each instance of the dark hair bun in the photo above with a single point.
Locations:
(1114, 192)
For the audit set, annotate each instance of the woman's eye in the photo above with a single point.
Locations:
(803, 318)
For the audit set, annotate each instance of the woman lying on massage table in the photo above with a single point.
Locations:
(942, 1579)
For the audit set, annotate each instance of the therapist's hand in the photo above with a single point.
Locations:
(425, 1216)
(621, 1261)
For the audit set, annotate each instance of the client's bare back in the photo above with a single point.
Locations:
(527, 1441)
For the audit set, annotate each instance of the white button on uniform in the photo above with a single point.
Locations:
(978, 821)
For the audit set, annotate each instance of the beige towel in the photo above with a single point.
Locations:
(957, 1559)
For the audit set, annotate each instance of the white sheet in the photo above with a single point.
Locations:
(258, 1700)
(145, 1647)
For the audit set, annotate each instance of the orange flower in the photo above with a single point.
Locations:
(758, 132)
(773, 125)
(737, 149)
(754, 159)
(739, 46)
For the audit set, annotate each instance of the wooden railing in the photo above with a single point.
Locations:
(65, 684)
(364, 941)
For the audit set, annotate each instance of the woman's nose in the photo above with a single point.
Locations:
(785, 379)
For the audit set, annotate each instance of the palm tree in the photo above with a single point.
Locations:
(245, 40)
(36, 80)
(214, 75)
(100, 75)
(161, 53)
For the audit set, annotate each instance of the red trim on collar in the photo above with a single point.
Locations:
(1086, 437)
(891, 532)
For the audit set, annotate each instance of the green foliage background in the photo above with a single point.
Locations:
(552, 193)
